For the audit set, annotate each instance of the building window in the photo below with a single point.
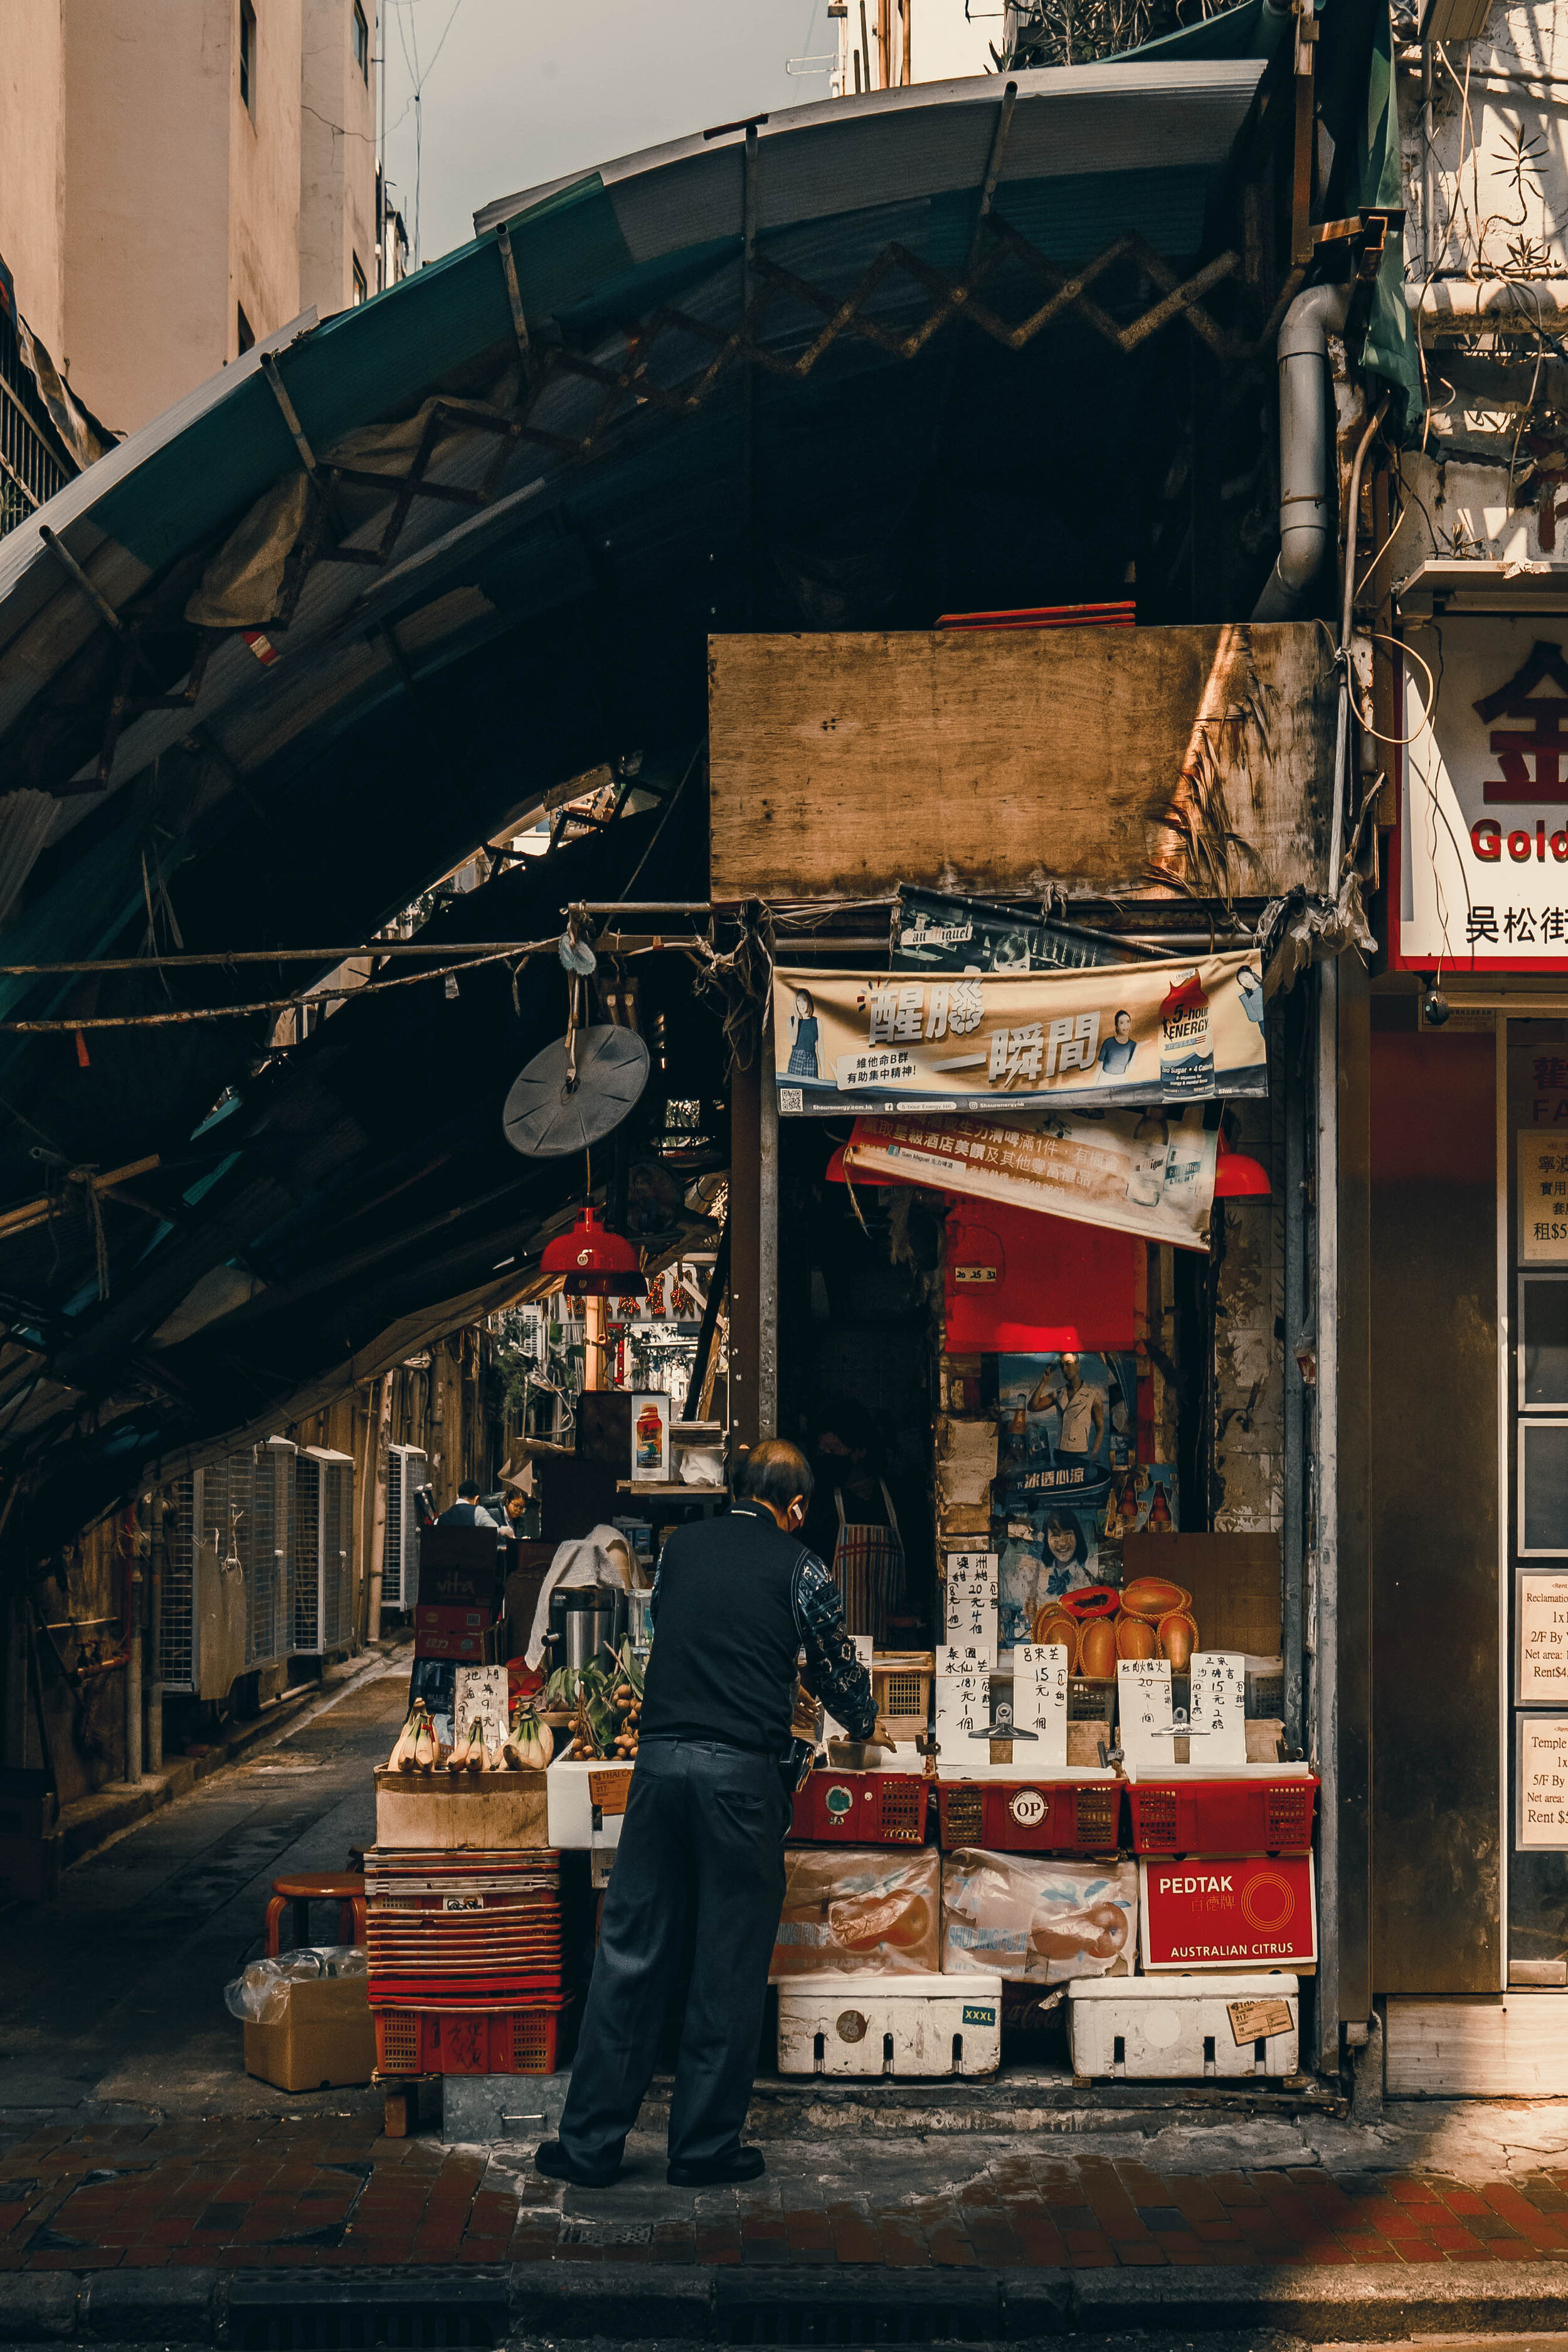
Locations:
(361, 41)
(359, 283)
(245, 331)
(248, 55)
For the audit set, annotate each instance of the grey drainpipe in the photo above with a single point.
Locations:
(1269, 29)
(1305, 443)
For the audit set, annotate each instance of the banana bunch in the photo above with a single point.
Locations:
(416, 1748)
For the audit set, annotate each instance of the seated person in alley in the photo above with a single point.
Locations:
(467, 1511)
(700, 1867)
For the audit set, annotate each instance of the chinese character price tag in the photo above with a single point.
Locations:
(1040, 1702)
(1219, 1708)
(972, 1601)
(1143, 1708)
(963, 1708)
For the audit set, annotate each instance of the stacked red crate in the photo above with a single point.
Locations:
(465, 1958)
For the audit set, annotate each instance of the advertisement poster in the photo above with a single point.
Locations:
(1542, 1197)
(1541, 1823)
(1172, 1031)
(1259, 1913)
(935, 933)
(1483, 824)
(1150, 1172)
(1066, 1428)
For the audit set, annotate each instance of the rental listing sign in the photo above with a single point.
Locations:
(1482, 870)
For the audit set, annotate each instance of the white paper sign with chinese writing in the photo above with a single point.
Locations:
(1542, 1197)
(1143, 1711)
(1218, 1712)
(963, 1708)
(972, 1601)
(480, 1695)
(1543, 1638)
(1040, 1704)
(1543, 1815)
(863, 1649)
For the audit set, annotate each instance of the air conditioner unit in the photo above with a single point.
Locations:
(323, 1553)
(202, 1630)
(266, 1549)
(407, 1469)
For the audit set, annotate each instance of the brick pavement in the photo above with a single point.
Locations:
(266, 2190)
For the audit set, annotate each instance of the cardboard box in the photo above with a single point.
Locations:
(478, 1649)
(324, 2040)
(1254, 1911)
(458, 1567)
(444, 1618)
(439, 1811)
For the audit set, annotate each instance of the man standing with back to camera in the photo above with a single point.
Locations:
(700, 1867)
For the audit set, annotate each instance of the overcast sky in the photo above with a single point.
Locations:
(517, 92)
(522, 91)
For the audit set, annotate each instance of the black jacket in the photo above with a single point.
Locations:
(735, 1602)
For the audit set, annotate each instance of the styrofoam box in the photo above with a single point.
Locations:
(922, 2024)
(571, 1823)
(1176, 2028)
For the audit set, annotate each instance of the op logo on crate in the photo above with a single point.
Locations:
(1027, 1808)
(1257, 1912)
(840, 1802)
(852, 2026)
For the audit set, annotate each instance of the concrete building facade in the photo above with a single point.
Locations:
(181, 177)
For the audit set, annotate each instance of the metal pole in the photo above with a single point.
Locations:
(768, 1246)
(1322, 1617)
(381, 149)
(152, 1687)
(1299, 1328)
(133, 1659)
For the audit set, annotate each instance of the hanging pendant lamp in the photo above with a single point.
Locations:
(592, 1262)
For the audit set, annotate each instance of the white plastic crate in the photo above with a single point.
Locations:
(1181, 2028)
(890, 2025)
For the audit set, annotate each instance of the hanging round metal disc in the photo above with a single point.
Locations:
(545, 1118)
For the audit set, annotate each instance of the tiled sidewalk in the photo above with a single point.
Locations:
(277, 2191)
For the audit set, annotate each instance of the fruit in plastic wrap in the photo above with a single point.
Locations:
(849, 1907)
(1037, 1917)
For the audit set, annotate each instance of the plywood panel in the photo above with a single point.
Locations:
(1233, 1581)
(1109, 760)
(1513, 2046)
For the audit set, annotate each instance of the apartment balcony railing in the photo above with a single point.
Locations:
(32, 467)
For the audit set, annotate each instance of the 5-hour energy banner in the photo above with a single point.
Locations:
(1120, 1035)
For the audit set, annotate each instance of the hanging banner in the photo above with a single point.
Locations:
(1127, 1034)
(933, 933)
(1148, 1173)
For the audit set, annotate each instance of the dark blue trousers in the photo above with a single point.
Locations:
(699, 1871)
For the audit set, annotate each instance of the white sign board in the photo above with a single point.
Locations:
(1218, 1712)
(1541, 1823)
(1483, 827)
(1542, 1674)
(963, 1708)
(1143, 1712)
(1040, 1704)
(479, 1697)
(972, 1600)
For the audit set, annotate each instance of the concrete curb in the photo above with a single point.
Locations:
(650, 2302)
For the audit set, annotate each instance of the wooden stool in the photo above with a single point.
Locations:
(345, 1888)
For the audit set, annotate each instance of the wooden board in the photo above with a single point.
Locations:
(1234, 1581)
(1508, 2045)
(994, 760)
(440, 1811)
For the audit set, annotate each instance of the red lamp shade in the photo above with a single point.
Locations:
(1235, 1175)
(594, 1263)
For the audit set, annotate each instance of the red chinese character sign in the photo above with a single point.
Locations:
(1482, 861)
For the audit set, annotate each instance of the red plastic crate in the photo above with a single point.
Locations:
(1223, 1816)
(395, 1989)
(1030, 1816)
(861, 1809)
(509, 2041)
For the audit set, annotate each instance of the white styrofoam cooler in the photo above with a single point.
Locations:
(1172, 2028)
(919, 2024)
(571, 1809)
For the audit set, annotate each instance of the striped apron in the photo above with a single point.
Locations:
(869, 1569)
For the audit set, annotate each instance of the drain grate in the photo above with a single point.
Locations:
(312, 2326)
(831, 2323)
(607, 2233)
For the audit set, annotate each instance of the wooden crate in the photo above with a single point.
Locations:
(493, 1811)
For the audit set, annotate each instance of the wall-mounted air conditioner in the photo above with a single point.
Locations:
(266, 1549)
(407, 1469)
(323, 1550)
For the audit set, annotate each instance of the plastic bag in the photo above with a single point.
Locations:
(851, 1907)
(1037, 1917)
(259, 1993)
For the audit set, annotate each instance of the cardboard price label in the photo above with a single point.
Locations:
(1256, 2020)
(1218, 1708)
(1040, 1702)
(963, 1708)
(1143, 1697)
(972, 1601)
(480, 1695)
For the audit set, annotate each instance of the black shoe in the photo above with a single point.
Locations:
(551, 2159)
(744, 2164)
